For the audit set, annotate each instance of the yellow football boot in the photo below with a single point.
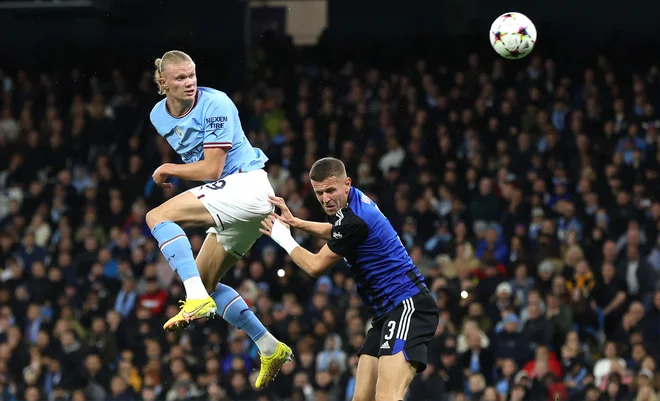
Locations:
(271, 365)
(191, 309)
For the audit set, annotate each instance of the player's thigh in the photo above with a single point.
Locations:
(213, 261)
(184, 209)
(395, 374)
(367, 370)
(238, 204)
(365, 378)
(236, 201)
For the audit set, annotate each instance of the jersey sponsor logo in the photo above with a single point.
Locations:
(337, 235)
(365, 199)
(216, 122)
(178, 131)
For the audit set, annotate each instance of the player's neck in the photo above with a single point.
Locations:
(179, 107)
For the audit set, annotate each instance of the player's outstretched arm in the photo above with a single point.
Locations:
(313, 264)
(319, 230)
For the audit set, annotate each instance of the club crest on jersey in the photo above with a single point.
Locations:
(179, 132)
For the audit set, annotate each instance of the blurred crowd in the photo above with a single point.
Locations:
(525, 191)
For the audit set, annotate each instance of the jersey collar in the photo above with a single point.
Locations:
(194, 103)
(351, 194)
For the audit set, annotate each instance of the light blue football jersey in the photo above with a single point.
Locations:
(212, 122)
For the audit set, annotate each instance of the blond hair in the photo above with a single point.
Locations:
(171, 57)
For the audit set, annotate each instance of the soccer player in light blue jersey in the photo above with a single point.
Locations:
(202, 125)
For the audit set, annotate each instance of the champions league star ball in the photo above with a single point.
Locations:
(513, 35)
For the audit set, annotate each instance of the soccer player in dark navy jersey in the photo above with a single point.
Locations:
(366, 240)
(404, 314)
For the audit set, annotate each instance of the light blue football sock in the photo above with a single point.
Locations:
(176, 248)
(234, 310)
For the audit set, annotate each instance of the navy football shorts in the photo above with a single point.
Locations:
(408, 329)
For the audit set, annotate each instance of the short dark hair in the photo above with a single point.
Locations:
(327, 167)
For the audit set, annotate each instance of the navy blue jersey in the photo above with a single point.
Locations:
(384, 273)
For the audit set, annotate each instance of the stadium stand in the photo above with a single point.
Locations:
(528, 200)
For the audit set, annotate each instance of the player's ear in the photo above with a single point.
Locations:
(348, 182)
(162, 81)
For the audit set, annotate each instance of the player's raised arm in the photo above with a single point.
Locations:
(344, 239)
(319, 230)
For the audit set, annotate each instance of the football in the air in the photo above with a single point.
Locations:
(513, 35)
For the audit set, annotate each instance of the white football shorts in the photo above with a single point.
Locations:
(238, 204)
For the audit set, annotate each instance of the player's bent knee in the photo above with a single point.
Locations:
(153, 218)
(160, 214)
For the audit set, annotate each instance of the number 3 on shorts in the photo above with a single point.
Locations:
(391, 325)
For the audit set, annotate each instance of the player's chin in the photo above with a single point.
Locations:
(330, 210)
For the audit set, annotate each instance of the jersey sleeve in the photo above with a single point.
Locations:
(219, 125)
(348, 235)
(156, 118)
